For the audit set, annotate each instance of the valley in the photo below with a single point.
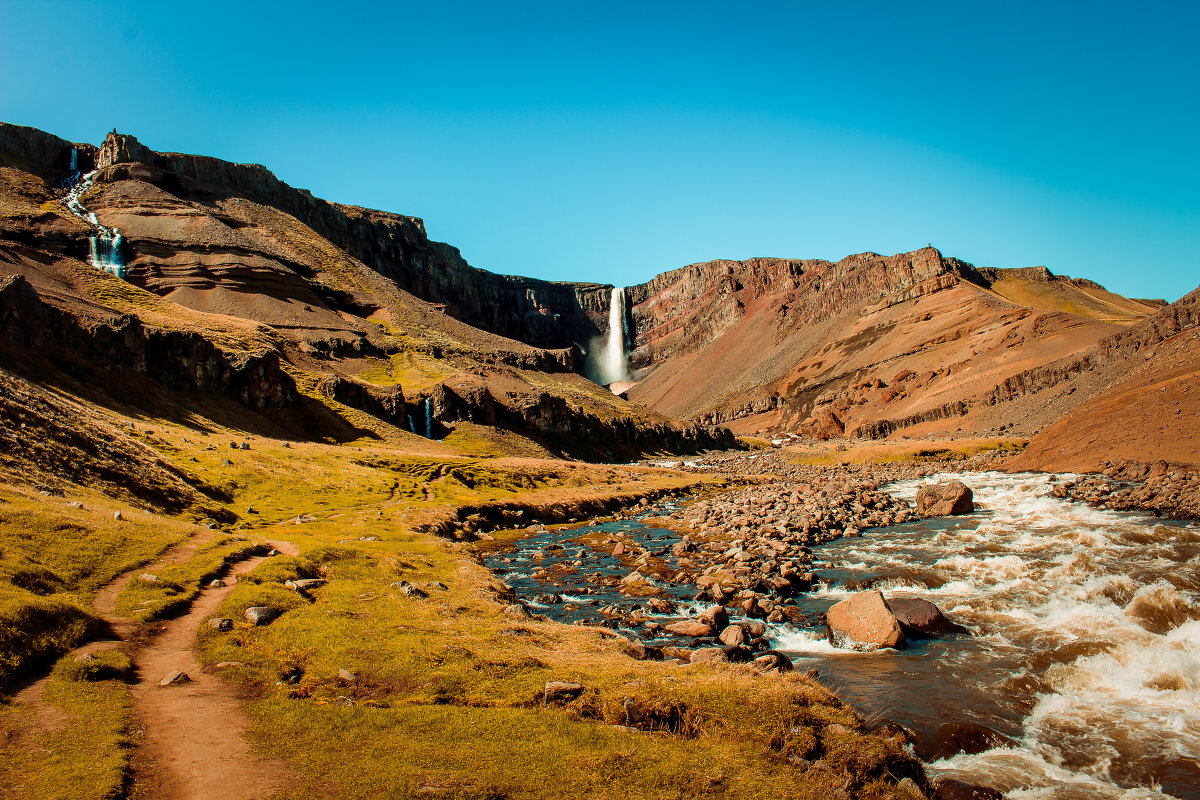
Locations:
(410, 528)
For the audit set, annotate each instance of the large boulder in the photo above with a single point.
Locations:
(716, 616)
(921, 618)
(863, 622)
(945, 499)
(690, 628)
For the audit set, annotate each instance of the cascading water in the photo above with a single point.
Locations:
(1085, 645)
(105, 248)
(609, 361)
(428, 417)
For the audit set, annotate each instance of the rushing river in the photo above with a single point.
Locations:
(1085, 650)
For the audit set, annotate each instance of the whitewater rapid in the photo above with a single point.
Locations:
(1086, 645)
(1084, 649)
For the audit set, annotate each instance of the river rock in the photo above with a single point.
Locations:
(691, 628)
(921, 617)
(261, 615)
(734, 634)
(517, 611)
(944, 499)
(772, 660)
(716, 616)
(644, 652)
(709, 655)
(863, 622)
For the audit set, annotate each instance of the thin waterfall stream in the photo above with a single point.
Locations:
(1083, 661)
(106, 246)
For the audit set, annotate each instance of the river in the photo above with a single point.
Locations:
(1085, 645)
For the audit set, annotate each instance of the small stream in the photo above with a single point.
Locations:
(1085, 651)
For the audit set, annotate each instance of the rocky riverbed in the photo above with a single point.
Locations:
(1055, 598)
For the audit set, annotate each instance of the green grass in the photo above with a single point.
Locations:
(79, 749)
(53, 559)
(178, 584)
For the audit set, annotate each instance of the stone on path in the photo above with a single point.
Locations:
(174, 678)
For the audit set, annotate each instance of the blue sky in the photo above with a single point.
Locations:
(609, 142)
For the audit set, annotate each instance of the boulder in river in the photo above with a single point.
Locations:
(921, 618)
(690, 628)
(735, 634)
(945, 499)
(716, 616)
(863, 622)
(950, 789)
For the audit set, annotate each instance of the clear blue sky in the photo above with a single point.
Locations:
(612, 141)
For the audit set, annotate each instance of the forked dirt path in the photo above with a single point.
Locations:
(189, 737)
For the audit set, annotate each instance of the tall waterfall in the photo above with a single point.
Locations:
(608, 361)
(105, 249)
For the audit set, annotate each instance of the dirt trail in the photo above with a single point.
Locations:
(189, 744)
(189, 740)
(117, 629)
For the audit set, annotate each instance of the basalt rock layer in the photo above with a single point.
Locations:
(878, 343)
(364, 311)
(241, 286)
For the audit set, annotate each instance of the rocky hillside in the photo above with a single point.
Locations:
(332, 321)
(1132, 397)
(863, 347)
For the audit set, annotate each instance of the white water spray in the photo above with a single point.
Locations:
(609, 360)
(105, 249)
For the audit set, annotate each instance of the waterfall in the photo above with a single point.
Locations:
(105, 246)
(615, 364)
(428, 417)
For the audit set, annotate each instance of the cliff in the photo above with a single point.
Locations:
(239, 284)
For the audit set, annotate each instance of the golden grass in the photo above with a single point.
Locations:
(887, 451)
(78, 748)
(53, 559)
(446, 697)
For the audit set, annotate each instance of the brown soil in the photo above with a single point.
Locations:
(188, 735)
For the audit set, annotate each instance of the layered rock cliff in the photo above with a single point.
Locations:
(240, 284)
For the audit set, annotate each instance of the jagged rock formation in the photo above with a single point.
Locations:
(364, 311)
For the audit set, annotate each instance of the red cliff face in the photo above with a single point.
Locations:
(882, 343)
